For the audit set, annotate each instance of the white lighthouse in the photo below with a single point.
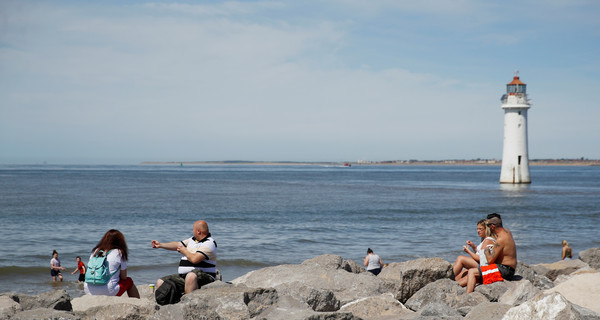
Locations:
(515, 158)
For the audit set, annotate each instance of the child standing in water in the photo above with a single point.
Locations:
(80, 268)
(55, 267)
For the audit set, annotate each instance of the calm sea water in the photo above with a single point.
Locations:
(269, 215)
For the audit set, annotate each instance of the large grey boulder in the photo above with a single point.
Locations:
(582, 289)
(352, 266)
(289, 308)
(381, 307)
(8, 307)
(563, 267)
(495, 290)
(235, 302)
(45, 313)
(322, 273)
(56, 299)
(438, 310)
(591, 256)
(111, 307)
(519, 292)
(87, 302)
(466, 302)
(564, 277)
(524, 271)
(488, 311)
(441, 291)
(548, 307)
(448, 292)
(406, 278)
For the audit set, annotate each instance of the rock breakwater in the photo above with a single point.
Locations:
(329, 287)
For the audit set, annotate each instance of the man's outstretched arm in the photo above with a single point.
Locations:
(165, 245)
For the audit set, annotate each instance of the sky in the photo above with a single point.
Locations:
(120, 82)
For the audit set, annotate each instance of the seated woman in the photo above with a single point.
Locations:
(373, 262)
(114, 245)
(464, 263)
(567, 252)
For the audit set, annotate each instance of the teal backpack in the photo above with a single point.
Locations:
(97, 272)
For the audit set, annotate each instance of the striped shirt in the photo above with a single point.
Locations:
(208, 248)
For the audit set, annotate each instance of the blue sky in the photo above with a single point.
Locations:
(124, 82)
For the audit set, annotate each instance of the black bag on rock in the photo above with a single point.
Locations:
(167, 293)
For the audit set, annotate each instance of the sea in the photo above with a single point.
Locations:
(269, 215)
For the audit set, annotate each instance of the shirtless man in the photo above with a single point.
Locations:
(504, 253)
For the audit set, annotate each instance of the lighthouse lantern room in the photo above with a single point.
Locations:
(515, 158)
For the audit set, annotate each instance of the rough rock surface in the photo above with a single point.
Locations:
(526, 272)
(330, 288)
(547, 307)
(406, 278)
(495, 290)
(591, 256)
(440, 311)
(582, 289)
(441, 291)
(563, 267)
(380, 307)
(8, 307)
(45, 313)
(488, 311)
(56, 299)
(85, 303)
(519, 292)
(466, 302)
(322, 273)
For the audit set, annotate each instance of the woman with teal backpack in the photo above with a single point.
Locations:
(112, 252)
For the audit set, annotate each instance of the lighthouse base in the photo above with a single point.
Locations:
(515, 175)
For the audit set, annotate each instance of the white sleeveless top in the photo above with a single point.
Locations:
(373, 262)
(480, 251)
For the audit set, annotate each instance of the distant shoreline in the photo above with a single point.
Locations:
(476, 162)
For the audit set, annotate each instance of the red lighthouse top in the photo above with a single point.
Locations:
(516, 87)
(516, 80)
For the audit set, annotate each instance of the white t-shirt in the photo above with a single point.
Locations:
(112, 287)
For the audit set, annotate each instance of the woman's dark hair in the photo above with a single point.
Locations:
(53, 252)
(369, 251)
(112, 239)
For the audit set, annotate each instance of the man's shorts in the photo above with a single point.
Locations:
(179, 279)
(54, 272)
(506, 271)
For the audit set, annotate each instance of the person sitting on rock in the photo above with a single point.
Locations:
(463, 263)
(373, 262)
(113, 244)
(198, 264)
(567, 252)
(502, 262)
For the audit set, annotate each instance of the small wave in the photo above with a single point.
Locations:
(14, 270)
(307, 241)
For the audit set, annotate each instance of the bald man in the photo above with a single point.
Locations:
(198, 264)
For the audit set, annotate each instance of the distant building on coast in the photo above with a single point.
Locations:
(515, 158)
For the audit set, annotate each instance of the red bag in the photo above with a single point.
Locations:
(491, 274)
